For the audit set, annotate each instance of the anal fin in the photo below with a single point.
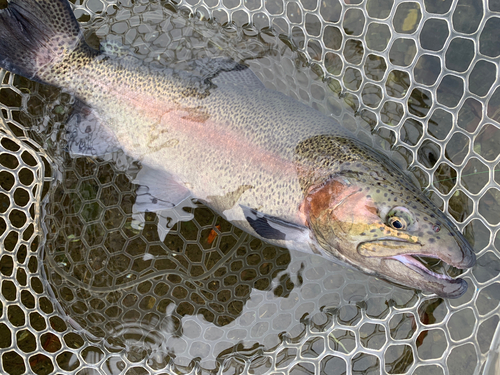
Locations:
(159, 192)
(88, 135)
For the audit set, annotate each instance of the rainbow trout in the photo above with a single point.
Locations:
(275, 168)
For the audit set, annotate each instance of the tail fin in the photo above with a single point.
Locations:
(35, 34)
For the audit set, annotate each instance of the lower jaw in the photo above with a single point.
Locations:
(442, 285)
(433, 267)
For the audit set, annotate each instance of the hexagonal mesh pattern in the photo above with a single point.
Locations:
(89, 287)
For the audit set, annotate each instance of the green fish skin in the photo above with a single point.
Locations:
(272, 166)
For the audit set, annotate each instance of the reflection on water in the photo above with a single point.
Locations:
(207, 291)
(209, 295)
(206, 281)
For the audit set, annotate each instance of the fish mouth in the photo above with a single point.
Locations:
(461, 256)
(425, 264)
(419, 266)
(425, 278)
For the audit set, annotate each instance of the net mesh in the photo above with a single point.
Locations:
(90, 287)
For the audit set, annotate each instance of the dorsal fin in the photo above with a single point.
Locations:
(226, 71)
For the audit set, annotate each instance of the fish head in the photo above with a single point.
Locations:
(380, 223)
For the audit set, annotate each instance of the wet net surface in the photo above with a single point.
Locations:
(89, 287)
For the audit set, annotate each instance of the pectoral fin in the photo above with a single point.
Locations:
(273, 228)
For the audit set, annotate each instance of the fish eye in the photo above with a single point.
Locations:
(399, 218)
(397, 223)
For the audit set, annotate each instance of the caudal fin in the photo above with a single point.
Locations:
(36, 34)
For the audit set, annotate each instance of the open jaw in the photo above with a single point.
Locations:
(410, 264)
(424, 278)
(414, 262)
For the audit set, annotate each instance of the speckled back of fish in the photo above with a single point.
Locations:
(274, 167)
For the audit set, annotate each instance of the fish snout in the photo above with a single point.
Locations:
(466, 258)
(455, 250)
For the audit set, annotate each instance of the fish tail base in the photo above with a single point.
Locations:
(36, 35)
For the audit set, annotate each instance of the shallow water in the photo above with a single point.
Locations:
(210, 297)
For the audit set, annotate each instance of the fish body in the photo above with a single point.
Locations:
(274, 167)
